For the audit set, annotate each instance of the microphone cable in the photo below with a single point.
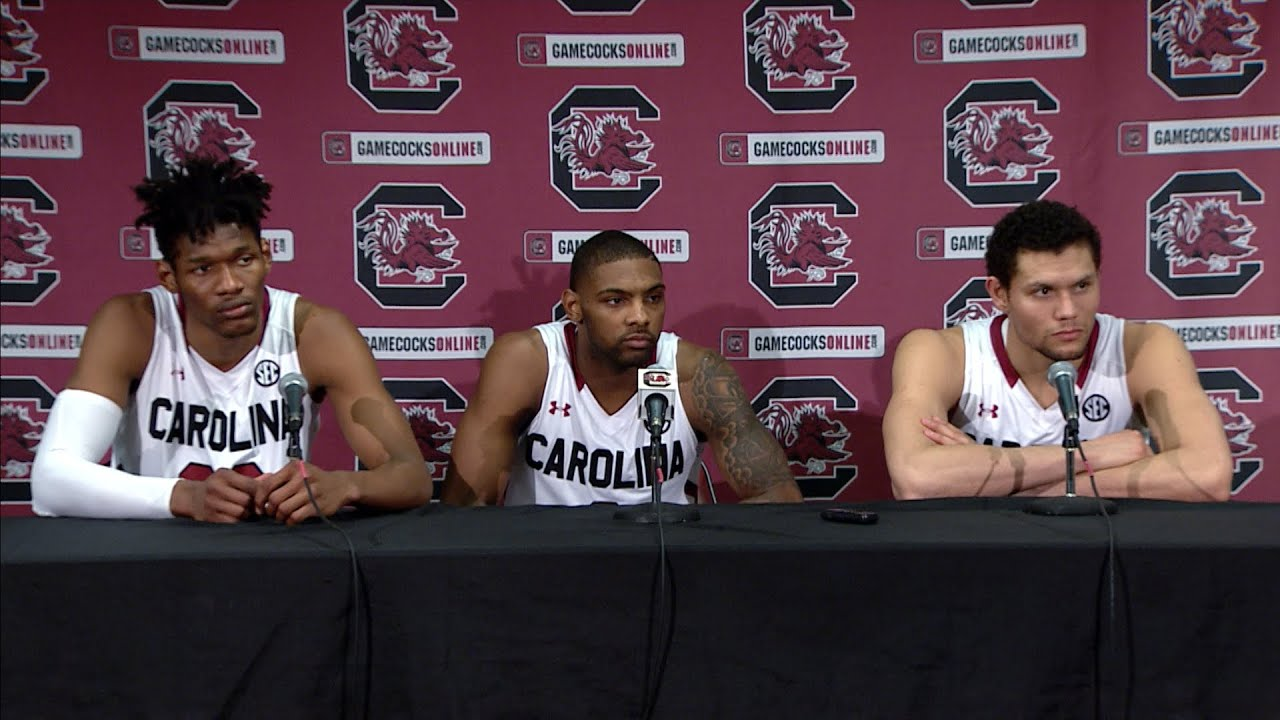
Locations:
(1112, 562)
(662, 619)
(355, 704)
(711, 487)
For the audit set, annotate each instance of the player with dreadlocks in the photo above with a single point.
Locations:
(181, 381)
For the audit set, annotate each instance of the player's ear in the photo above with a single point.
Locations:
(265, 246)
(167, 275)
(572, 306)
(998, 293)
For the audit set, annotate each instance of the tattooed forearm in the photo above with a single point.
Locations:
(749, 455)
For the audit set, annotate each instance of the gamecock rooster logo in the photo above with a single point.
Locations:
(17, 40)
(808, 435)
(799, 47)
(802, 243)
(1209, 32)
(606, 147)
(403, 47)
(1208, 233)
(19, 436)
(22, 243)
(1006, 141)
(434, 434)
(972, 310)
(411, 244)
(207, 133)
(1237, 425)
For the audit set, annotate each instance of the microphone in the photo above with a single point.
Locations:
(293, 386)
(1062, 375)
(657, 390)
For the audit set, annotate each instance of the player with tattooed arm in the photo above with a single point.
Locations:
(555, 418)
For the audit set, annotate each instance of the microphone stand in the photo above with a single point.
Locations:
(295, 447)
(1071, 504)
(657, 511)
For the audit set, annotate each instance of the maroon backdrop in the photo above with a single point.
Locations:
(818, 178)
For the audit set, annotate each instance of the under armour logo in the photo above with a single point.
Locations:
(182, 374)
(983, 410)
(555, 408)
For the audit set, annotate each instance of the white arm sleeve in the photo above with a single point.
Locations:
(66, 478)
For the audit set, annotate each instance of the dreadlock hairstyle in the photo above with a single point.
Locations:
(605, 246)
(1039, 226)
(198, 196)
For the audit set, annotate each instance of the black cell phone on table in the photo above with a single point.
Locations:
(856, 516)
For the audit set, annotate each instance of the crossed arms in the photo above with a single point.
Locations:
(929, 457)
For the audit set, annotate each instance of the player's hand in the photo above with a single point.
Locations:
(942, 432)
(283, 495)
(1116, 449)
(225, 496)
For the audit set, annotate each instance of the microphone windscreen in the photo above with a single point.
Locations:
(1060, 369)
(293, 380)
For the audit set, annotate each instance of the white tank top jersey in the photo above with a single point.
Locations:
(186, 418)
(995, 407)
(574, 453)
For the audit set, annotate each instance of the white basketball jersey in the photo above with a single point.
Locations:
(995, 407)
(574, 453)
(186, 418)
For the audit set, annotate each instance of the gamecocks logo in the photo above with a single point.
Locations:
(404, 248)
(20, 76)
(996, 147)
(1004, 143)
(600, 157)
(811, 418)
(1207, 233)
(25, 403)
(798, 248)
(970, 302)
(407, 244)
(24, 243)
(1197, 240)
(795, 56)
(602, 147)
(433, 409)
(188, 119)
(1227, 389)
(398, 57)
(1201, 48)
(800, 243)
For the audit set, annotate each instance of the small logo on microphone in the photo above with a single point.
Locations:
(556, 408)
(656, 379)
(266, 373)
(1095, 408)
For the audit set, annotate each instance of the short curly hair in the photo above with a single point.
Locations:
(198, 196)
(1040, 226)
(604, 247)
